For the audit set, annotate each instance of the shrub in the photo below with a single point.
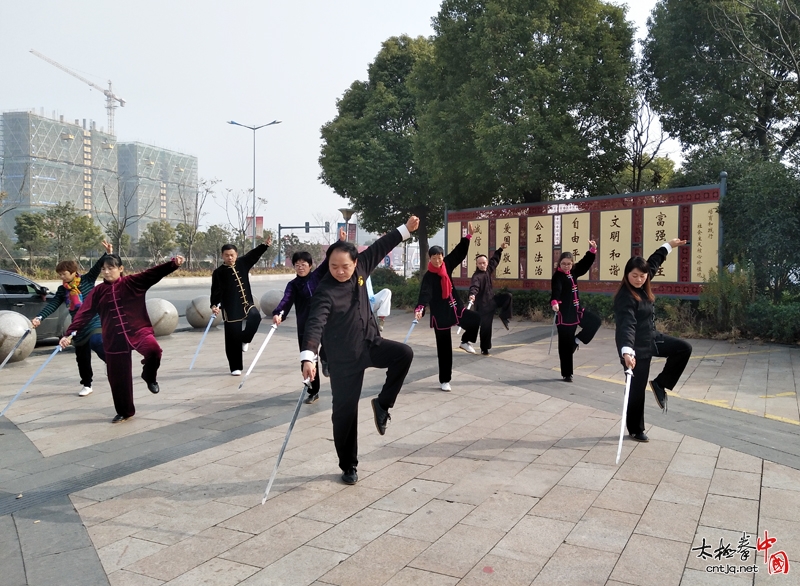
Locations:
(780, 323)
(726, 297)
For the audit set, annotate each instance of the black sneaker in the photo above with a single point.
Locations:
(382, 417)
(640, 437)
(568, 379)
(153, 387)
(350, 477)
(660, 393)
(119, 419)
(325, 368)
(505, 322)
(311, 399)
(485, 352)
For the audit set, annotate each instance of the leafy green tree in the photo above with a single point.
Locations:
(157, 240)
(118, 237)
(58, 221)
(215, 237)
(726, 70)
(760, 213)
(368, 148)
(525, 99)
(86, 235)
(31, 234)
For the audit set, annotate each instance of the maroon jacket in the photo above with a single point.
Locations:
(122, 309)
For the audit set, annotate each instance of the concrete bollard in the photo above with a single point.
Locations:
(198, 312)
(163, 316)
(270, 300)
(12, 327)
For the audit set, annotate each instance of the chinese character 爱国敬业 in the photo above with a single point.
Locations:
(506, 257)
(507, 270)
(507, 228)
(507, 240)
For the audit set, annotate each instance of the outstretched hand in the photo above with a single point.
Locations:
(592, 244)
(412, 224)
(108, 246)
(178, 260)
(675, 242)
(268, 240)
(342, 234)
(504, 245)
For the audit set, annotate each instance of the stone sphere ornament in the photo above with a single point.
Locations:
(198, 312)
(12, 328)
(270, 300)
(163, 316)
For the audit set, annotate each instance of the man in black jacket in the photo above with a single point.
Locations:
(230, 286)
(481, 293)
(341, 319)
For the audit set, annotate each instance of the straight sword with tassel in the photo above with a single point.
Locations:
(260, 351)
(469, 306)
(306, 387)
(35, 374)
(203, 339)
(552, 331)
(411, 329)
(14, 349)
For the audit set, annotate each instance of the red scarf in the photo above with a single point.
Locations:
(447, 285)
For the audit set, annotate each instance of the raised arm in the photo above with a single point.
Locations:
(585, 264)
(495, 260)
(141, 282)
(247, 261)
(659, 256)
(373, 255)
(94, 272)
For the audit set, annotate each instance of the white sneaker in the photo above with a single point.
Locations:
(245, 347)
(85, 391)
(467, 347)
(446, 387)
(236, 373)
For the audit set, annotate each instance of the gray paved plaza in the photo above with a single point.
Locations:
(509, 479)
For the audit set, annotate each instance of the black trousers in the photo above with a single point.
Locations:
(590, 323)
(346, 384)
(235, 337)
(470, 322)
(314, 383)
(501, 301)
(83, 356)
(677, 352)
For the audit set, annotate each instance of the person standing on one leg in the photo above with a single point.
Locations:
(447, 310)
(485, 301)
(566, 303)
(381, 303)
(298, 292)
(230, 286)
(120, 302)
(73, 291)
(341, 319)
(638, 341)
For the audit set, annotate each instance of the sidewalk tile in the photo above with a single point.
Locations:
(692, 465)
(725, 512)
(787, 534)
(537, 479)
(414, 577)
(501, 511)
(354, 533)
(647, 557)
(778, 476)
(737, 484)
(342, 504)
(572, 565)
(642, 470)
(778, 503)
(393, 475)
(666, 520)
(126, 578)
(458, 550)
(215, 572)
(376, 562)
(277, 541)
(126, 551)
(565, 503)
(298, 568)
(603, 529)
(495, 570)
(625, 496)
(432, 521)
(703, 578)
(588, 476)
(677, 488)
(533, 537)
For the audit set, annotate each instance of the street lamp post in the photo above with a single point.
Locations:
(347, 213)
(254, 128)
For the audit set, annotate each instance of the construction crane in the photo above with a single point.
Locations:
(111, 97)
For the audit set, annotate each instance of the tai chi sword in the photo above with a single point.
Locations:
(14, 349)
(306, 386)
(628, 377)
(411, 329)
(35, 374)
(552, 331)
(203, 339)
(260, 351)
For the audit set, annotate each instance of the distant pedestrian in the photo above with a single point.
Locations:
(381, 303)
(484, 299)
(638, 341)
(565, 301)
(447, 310)
(230, 286)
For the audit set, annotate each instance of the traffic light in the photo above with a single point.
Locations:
(327, 227)
(307, 228)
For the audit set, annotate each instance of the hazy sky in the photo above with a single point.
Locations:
(186, 67)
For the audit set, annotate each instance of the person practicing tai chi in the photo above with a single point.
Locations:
(638, 341)
(566, 303)
(298, 292)
(381, 303)
(341, 319)
(72, 292)
(230, 286)
(120, 302)
(447, 310)
(484, 299)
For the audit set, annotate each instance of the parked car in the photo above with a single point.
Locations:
(20, 294)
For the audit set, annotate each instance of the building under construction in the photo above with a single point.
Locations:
(47, 161)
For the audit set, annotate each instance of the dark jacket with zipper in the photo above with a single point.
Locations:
(481, 285)
(564, 290)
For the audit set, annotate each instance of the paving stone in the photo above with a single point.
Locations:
(126, 551)
(565, 503)
(677, 488)
(352, 534)
(692, 465)
(645, 557)
(376, 562)
(572, 565)
(642, 470)
(300, 567)
(495, 570)
(669, 521)
(215, 572)
(736, 483)
(432, 521)
(787, 534)
(703, 578)
(537, 479)
(501, 511)
(79, 567)
(724, 512)
(458, 550)
(533, 537)
(588, 476)
(711, 542)
(414, 577)
(732, 460)
(125, 578)
(603, 529)
(628, 497)
(782, 477)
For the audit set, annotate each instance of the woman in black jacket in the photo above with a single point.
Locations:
(569, 314)
(638, 341)
(481, 294)
(447, 310)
